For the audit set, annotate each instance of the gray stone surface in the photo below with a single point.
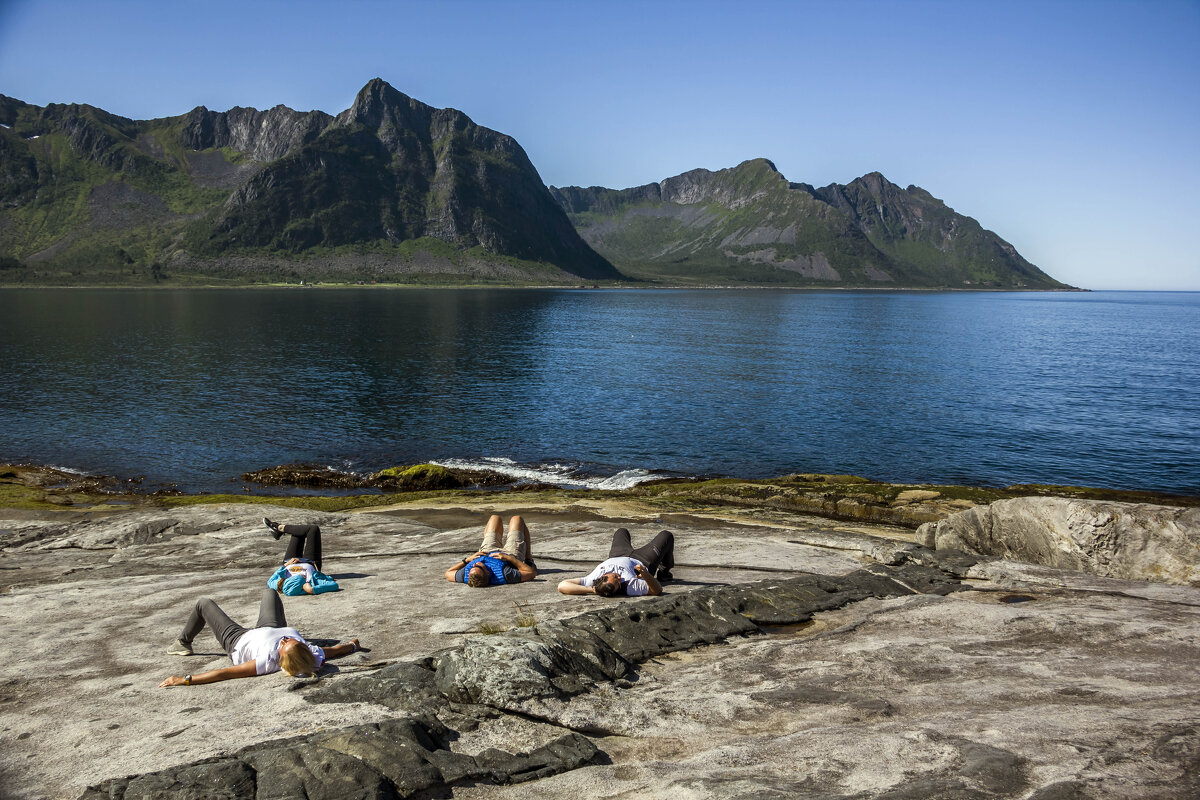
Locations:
(769, 669)
(1136, 541)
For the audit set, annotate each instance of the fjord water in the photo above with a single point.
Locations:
(195, 387)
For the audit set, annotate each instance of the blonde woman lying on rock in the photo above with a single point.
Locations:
(628, 571)
(301, 570)
(494, 565)
(267, 647)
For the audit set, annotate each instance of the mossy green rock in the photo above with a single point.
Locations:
(419, 477)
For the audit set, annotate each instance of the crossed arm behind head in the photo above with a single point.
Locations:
(461, 565)
(528, 572)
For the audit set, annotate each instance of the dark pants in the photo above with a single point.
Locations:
(305, 542)
(207, 612)
(658, 554)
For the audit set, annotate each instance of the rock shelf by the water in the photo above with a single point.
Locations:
(1136, 541)
(414, 478)
(792, 657)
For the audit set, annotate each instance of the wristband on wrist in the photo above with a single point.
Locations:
(187, 680)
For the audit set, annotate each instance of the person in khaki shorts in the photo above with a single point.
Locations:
(494, 565)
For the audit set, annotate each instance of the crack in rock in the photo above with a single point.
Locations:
(451, 691)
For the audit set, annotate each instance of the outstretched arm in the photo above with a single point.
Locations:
(339, 650)
(245, 670)
(573, 586)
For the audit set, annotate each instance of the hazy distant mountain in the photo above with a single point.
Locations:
(749, 224)
(389, 187)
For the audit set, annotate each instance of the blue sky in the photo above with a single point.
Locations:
(1072, 129)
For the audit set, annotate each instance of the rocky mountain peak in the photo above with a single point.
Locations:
(758, 165)
(377, 104)
(262, 135)
(749, 223)
(875, 184)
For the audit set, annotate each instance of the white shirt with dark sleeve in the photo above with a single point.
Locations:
(623, 566)
(299, 567)
(261, 645)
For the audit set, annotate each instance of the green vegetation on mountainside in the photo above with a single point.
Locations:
(392, 191)
(748, 224)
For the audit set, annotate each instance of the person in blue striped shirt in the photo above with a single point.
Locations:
(495, 564)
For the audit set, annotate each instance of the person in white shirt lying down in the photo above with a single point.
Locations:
(628, 571)
(267, 647)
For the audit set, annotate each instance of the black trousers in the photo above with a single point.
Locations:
(304, 542)
(657, 554)
(207, 612)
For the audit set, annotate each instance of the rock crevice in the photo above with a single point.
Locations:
(514, 673)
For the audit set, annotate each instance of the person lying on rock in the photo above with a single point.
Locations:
(494, 565)
(267, 647)
(628, 571)
(301, 570)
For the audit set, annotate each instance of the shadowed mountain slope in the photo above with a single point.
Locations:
(749, 224)
(390, 188)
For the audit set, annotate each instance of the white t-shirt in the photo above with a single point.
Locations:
(623, 566)
(261, 645)
(302, 567)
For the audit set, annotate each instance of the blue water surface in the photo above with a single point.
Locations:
(195, 387)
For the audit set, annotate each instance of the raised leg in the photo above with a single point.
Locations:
(207, 612)
(621, 546)
(517, 542)
(270, 611)
(491, 534)
(658, 553)
(304, 541)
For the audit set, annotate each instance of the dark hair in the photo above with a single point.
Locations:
(607, 588)
(477, 576)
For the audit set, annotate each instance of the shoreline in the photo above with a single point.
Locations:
(769, 608)
(41, 492)
(572, 286)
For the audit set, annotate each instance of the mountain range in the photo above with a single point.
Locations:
(750, 224)
(394, 190)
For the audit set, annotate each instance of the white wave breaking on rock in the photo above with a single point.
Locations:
(566, 476)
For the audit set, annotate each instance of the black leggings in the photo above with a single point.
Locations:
(658, 553)
(304, 542)
(207, 612)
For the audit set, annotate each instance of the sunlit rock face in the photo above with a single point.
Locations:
(791, 656)
(1135, 541)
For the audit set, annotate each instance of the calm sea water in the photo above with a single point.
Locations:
(606, 387)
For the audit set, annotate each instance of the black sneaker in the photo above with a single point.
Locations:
(664, 575)
(276, 531)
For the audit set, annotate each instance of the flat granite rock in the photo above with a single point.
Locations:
(869, 667)
(1133, 541)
